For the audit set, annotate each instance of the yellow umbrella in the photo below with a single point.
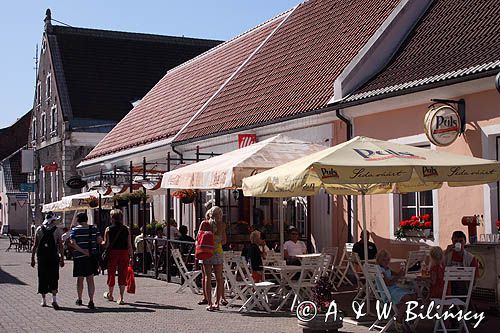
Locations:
(369, 166)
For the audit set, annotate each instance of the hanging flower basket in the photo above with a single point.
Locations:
(92, 201)
(136, 197)
(185, 196)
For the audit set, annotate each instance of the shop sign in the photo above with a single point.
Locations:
(442, 125)
(27, 187)
(50, 167)
(246, 140)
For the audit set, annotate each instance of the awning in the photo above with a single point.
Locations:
(77, 202)
(227, 171)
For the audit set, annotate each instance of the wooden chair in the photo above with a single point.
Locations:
(415, 261)
(256, 293)
(459, 300)
(189, 277)
(345, 264)
(332, 267)
(376, 283)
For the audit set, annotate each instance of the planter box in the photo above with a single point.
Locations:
(318, 324)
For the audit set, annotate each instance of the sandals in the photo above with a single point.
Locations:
(120, 302)
(213, 308)
(224, 302)
(108, 296)
(203, 302)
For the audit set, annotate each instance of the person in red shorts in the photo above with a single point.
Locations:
(117, 238)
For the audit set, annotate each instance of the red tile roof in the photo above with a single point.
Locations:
(292, 73)
(295, 70)
(181, 93)
(453, 39)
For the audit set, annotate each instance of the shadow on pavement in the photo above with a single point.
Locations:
(157, 306)
(103, 310)
(9, 279)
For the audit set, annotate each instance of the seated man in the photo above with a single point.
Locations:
(140, 254)
(360, 249)
(185, 248)
(294, 247)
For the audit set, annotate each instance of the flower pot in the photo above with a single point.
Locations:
(318, 324)
(135, 201)
(187, 200)
(427, 233)
(122, 202)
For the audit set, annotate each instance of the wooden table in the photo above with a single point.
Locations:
(288, 288)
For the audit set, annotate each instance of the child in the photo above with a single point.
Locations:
(255, 256)
(436, 272)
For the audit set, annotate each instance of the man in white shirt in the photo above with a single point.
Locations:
(294, 247)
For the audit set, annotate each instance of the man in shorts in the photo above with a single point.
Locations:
(84, 239)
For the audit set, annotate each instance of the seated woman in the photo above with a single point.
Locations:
(255, 256)
(399, 296)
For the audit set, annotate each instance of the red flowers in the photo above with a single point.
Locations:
(498, 223)
(417, 222)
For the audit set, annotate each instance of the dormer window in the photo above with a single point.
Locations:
(48, 86)
(44, 45)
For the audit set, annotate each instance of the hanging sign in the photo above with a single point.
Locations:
(50, 167)
(442, 125)
(246, 140)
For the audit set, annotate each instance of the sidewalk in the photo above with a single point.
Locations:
(155, 308)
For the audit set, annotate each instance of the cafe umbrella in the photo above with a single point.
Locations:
(364, 166)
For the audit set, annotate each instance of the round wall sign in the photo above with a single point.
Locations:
(442, 125)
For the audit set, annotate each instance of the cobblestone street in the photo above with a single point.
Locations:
(154, 308)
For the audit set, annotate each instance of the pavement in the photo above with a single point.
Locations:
(155, 307)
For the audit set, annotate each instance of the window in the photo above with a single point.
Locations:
(33, 129)
(416, 204)
(49, 87)
(53, 119)
(38, 93)
(43, 124)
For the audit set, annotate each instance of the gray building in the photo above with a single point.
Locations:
(87, 81)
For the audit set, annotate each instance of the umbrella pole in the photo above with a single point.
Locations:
(365, 246)
(282, 228)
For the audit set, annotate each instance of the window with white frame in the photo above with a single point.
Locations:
(53, 119)
(33, 129)
(38, 93)
(415, 204)
(48, 86)
(43, 125)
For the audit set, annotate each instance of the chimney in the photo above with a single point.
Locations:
(48, 20)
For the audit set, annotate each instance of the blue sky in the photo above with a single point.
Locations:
(21, 29)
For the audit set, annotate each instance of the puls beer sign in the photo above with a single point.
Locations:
(442, 125)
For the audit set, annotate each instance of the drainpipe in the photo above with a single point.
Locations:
(349, 202)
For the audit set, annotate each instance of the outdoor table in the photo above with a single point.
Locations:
(309, 255)
(393, 261)
(284, 274)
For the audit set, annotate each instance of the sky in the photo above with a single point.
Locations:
(21, 28)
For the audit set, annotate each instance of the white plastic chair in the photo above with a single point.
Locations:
(235, 284)
(332, 267)
(463, 275)
(189, 277)
(302, 287)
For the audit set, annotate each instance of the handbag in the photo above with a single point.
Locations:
(130, 280)
(103, 263)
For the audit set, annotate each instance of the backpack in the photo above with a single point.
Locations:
(47, 249)
(204, 245)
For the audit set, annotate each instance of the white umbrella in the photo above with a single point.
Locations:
(369, 166)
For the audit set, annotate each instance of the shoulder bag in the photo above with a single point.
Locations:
(105, 254)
